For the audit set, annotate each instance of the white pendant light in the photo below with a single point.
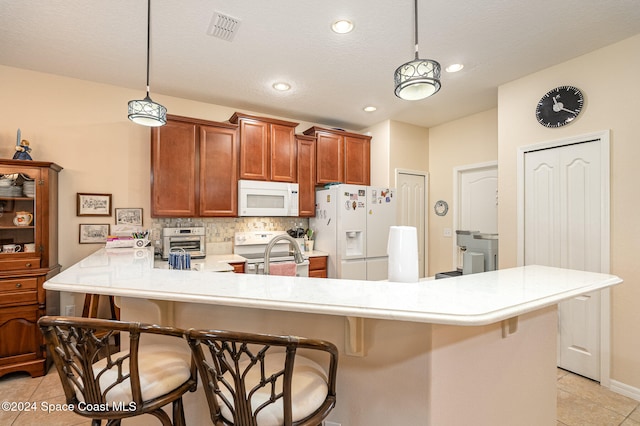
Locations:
(417, 79)
(145, 111)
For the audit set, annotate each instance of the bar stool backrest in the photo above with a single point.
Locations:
(104, 383)
(263, 380)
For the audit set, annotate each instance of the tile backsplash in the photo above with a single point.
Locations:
(221, 229)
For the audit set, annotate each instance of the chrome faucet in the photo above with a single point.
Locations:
(297, 254)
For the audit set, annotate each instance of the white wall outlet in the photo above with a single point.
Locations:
(70, 311)
(447, 232)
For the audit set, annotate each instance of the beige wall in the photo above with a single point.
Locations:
(469, 140)
(380, 145)
(409, 148)
(609, 80)
(397, 145)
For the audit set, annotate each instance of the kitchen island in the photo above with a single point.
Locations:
(478, 349)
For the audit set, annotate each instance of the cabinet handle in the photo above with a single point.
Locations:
(18, 285)
(28, 265)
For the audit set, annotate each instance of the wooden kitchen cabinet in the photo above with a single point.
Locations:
(341, 156)
(194, 168)
(306, 175)
(329, 156)
(218, 171)
(238, 267)
(318, 267)
(268, 149)
(29, 257)
(357, 159)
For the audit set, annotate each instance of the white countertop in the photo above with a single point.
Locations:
(476, 299)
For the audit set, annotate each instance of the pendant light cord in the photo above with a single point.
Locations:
(148, 42)
(415, 16)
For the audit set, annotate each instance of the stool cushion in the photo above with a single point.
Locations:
(308, 387)
(163, 368)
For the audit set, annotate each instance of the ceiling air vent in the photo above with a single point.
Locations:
(223, 26)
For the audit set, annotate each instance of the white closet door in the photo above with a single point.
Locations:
(563, 205)
(411, 190)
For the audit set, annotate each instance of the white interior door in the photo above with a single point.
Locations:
(476, 203)
(563, 208)
(411, 189)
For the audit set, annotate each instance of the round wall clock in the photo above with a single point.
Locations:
(441, 208)
(559, 106)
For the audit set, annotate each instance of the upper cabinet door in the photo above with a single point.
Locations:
(174, 170)
(218, 171)
(356, 165)
(254, 150)
(306, 175)
(329, 157)
(283, 153)
(267, 148)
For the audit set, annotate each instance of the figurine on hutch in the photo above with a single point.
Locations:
(22, 149)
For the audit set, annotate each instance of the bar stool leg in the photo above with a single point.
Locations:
(90, 310)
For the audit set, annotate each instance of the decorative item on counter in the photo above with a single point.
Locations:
(22, 149)
(402, 249)
(309, 234)
(136, 239)
(114, 241)
(23, 218)
(179, 259)
(140, 239)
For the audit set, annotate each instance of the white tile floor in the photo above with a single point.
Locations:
(581, 402)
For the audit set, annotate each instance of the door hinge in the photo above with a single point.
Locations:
(40, 181)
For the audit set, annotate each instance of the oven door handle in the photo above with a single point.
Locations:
(179, 239)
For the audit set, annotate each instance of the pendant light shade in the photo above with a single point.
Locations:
(145, 111)
(417, 79)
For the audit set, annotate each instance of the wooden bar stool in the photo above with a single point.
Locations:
(102, 384)
(263, 380)
(91, 303)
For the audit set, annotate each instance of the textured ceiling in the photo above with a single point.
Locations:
(332, 76)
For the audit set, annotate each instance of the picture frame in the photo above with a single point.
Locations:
(93, 233)
(93, 204)
(128, 216)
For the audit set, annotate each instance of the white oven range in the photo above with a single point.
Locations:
(252, 244)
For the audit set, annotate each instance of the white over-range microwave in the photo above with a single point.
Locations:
(262, 198)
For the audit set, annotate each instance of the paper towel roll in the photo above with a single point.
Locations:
(402, 249)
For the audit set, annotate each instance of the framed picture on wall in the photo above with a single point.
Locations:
(93, 233)
(94, 205)
(129, 216)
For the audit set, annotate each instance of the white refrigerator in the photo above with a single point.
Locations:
(352, 224)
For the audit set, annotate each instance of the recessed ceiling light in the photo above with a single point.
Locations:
(369, 108)
(281, 86)
(454, 68)
(342, 26)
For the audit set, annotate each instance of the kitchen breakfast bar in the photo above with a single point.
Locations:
(477, 349)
